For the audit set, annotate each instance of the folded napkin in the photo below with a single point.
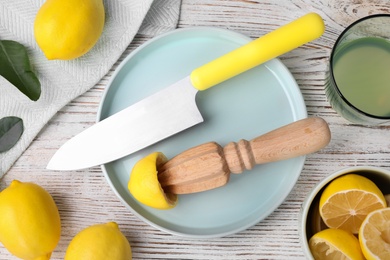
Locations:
(62, 81)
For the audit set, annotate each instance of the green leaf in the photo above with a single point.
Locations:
(16, 68)
(11, 129)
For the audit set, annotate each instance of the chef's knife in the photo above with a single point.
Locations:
(173, 109)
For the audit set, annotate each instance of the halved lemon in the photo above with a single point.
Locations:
(144, 185)
(347, 200)
(374, 235)
(335, 244)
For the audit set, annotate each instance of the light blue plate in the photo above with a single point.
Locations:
(243, 107)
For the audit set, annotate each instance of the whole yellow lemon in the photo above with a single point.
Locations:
(99, 242)
(67, 29)
(30, 226)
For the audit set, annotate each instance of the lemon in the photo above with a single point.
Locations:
(374, 235)
(67, 29)
(99, 242)
(144, 185)
(30, 226)
(347, 200)
(335, 244)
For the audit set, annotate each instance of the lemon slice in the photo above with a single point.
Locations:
(144, 185)
(347, 200)
(335, 244)
(374, 235)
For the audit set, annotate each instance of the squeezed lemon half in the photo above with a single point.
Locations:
(332, 244)
(144, 185)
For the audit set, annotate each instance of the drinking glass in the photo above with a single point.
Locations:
(358, 76)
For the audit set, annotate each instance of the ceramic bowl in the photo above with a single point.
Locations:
(310, 221)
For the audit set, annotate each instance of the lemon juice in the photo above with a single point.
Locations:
(361, 69)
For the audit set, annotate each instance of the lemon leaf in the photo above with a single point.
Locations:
(16, 68)
(11, 129)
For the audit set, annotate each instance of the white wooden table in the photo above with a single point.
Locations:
(84, 197)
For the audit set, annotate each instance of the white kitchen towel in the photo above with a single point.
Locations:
(62, 81)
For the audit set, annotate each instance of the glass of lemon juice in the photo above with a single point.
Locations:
(358, 78)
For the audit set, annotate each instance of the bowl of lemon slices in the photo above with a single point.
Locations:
(347, 216)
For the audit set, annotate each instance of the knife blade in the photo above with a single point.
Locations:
(174, 107)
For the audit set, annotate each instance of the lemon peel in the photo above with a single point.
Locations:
(67, 29)
(99, 242)
(30, 226)
(144, 185)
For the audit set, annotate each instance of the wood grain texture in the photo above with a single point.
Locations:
(84, 197)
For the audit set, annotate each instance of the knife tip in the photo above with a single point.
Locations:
(56, 165)
(51, 165)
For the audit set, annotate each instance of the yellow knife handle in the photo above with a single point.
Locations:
(284, 39)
